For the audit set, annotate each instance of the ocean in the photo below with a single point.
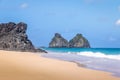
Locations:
(104, 59)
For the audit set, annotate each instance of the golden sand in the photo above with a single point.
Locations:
(30, 66)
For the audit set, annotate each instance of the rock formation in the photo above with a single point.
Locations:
(13, 37)
(58, 41)
(77, 42)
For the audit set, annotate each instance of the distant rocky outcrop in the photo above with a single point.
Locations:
(58, 41)
(13, 37)
(77, 42)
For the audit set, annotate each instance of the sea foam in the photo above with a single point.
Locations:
(98, 55)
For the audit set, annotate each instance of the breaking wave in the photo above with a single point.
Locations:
(99, 55)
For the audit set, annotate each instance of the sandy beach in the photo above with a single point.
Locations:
(30, 66)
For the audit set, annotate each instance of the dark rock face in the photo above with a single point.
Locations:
(13, 37)
(79, 42)
(58, 41)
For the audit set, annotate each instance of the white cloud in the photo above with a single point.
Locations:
(118, 22)
(24, 5)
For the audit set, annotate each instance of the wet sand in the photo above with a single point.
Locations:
(31, 66)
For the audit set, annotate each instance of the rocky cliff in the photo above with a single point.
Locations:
(58, 41)
(77, 42)
(13, 37)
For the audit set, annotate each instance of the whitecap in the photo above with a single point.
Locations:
(99, 55)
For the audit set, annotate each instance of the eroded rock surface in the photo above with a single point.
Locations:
(77, 42)
(13, 37)
(58, 41)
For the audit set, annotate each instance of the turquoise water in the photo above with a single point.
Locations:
(105, 59)
(107, 51)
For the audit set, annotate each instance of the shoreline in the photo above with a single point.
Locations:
(84, 66)
(94, 63)
(32, 66)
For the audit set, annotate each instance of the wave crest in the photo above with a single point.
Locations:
(99, 55)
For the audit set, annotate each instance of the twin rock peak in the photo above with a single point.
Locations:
(77, 42)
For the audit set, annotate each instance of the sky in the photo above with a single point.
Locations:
(96, 20)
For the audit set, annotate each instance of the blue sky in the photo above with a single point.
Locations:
(97, 20)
